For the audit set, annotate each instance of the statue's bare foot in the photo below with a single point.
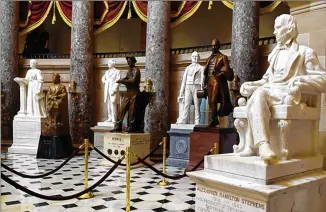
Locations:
(109, 120)
(266, 153)
(247, 152)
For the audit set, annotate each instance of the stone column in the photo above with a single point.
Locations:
(9, 11)
(245, 35)
(81, 68)
(157, 68)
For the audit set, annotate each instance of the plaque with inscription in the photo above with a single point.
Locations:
(115, 144)
(214, 200)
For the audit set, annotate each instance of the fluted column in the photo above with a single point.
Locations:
(245, 35)
(157, 68)
(9, 11)
(81, 68)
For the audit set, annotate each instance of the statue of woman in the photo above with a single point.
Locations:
(35, 97)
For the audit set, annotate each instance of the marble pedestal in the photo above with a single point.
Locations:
(115, 145)
(179, 145)
(99, 130)
(105, 124)
(26, 135)
(230, 183)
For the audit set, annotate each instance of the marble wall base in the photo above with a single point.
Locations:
(26, 135)
(225, 194)
(99, 138)
(179, 145)
(115, 145)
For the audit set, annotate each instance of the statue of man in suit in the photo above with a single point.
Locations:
(191, 82)
(293, 69)
(215, 85)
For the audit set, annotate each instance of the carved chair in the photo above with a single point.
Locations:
(293, 129)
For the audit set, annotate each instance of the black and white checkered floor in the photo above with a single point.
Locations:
(146, 195)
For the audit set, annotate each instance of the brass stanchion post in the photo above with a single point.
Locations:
(89, 194)
(215, 149)
(128, 179)
(164, 182)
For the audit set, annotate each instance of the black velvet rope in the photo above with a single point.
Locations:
(174, 177)
(41, 175)
(132, 164)
(59, 197)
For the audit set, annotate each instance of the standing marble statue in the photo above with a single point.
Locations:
(111, 90)
(191, 83)
(35, 97)
(294, 69)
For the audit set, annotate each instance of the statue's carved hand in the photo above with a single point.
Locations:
(204, 86)
(181, 98)
(247, 89)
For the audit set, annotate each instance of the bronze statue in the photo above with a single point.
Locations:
(134, 101)
(55, 141)
(131, 81)
(216, 75)
(235, 89)
(57, 109)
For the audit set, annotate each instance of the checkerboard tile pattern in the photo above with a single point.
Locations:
(146, 195)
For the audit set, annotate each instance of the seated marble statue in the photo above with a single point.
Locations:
(35, 97)
(57, 108)
(191, 82)
(111, 90)
(294, 69)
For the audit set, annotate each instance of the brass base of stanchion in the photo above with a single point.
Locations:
(163, 183)
(88, 195)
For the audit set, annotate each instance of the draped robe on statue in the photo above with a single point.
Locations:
(35, 102)
(111, 89)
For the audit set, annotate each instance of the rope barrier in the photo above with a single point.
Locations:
(132, 164)
(174, 177)
(59, 197)
(45, 174)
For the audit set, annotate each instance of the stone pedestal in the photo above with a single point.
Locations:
(54, 147)
(254, 169)
(26, 135)
(179, 145)
(115, 145)
(99, 137)
(105, 124)
(203, 139)
(233, 183)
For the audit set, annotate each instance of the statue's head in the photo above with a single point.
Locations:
(195, 57)
(285, 29)
(111, 63)
(33, 63)
(131, 61)
(56, 78)
(215, 45)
